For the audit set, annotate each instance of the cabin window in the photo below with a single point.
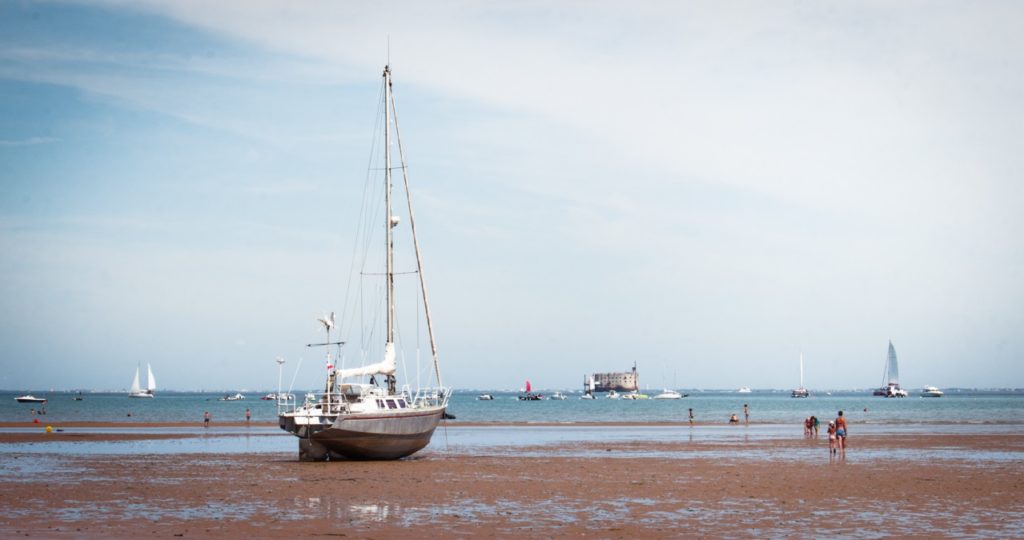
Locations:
(401, 404)
(380, 404)
(391, 404)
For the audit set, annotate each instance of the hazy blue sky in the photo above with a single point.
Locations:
(705, 188)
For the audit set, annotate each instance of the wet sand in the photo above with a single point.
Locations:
(618, 490)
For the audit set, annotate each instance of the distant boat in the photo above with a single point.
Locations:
(485, 397)
(588, 387)
(528, 395)
(269, 397)
(744, 390)
(931, 391)
(634, 395)
(669, 394)
(558, 396)
(234, 397)
(891, 377)
(29, 398)
(801, 392)
(138, 392)
(612, 394)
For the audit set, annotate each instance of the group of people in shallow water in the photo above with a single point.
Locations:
(836, 429)
(836, 432)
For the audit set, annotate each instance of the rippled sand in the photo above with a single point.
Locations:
(918, 484)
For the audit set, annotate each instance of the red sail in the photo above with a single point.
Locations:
(527, 386)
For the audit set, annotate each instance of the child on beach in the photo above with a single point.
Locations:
(831, 437)
(206, 419)
(733, 419)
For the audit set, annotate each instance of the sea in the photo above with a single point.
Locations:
(957, 407)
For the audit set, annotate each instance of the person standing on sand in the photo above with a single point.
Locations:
(206, 419)
(841, 433)
(746, 414)
(248, 415)
(691, 416)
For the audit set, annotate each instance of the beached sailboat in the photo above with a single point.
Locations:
(367, 420)
(801, 391)
(136, 391)
(891, 377)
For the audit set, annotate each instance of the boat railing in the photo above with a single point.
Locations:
(285, 402)
(430, 397)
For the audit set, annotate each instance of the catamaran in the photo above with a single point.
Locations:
(891, 377)
(137, 391)
(355, 419)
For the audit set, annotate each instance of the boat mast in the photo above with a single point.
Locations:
(391, 221)
(801, 371)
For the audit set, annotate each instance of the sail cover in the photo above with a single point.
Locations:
(892, 369)
(384, 367)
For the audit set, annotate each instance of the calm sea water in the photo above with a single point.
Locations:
(709, 407)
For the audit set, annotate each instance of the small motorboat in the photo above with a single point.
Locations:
(612, 394)
(558, 395)
(485, 397)
(669, 394)
(931, 391)
(744, 390)
(29, 398)
(236, 397)
(269, 397)
(587, 395)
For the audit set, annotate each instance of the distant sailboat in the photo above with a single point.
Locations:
(137, 391)
(801, 392)
(891, 377)
(528, 394)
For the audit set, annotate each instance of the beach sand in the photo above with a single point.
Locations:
(619, 490)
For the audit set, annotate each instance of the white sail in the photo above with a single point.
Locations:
(384, 367)
(151, 383)
(892, 368)
(135, 389)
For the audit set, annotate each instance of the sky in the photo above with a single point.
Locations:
(706, 189)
